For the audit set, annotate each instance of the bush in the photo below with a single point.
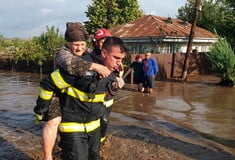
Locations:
(37, 50)
(222, 59)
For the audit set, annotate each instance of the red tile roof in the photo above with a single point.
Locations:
(155, 26)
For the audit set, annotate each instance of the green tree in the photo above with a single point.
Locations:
(2, 43)
(12, 48)
(28, 51)
(222, 59)
(129, 10)
(5, 43)
(36, 49)
(110, 13)
(186, 12)
(216, 15)
(49, 41)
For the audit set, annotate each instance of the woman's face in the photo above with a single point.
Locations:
(139, 59)
(78, 47)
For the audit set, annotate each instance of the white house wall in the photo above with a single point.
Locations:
(176, 47)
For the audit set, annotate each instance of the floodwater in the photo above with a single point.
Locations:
(188, 110)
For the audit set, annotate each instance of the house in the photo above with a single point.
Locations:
(162, 35)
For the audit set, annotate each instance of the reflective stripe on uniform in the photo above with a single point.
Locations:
(79, 127)
(102, 139)
(45, 94)
(108, 103)
(74, 92)
(58, 80)
(82, 96)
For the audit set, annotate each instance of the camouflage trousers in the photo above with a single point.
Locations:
(54, 109)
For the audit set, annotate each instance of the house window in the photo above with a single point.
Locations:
(177, 48)
(164, 48)
(134, 48)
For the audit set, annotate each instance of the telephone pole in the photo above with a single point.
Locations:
(191, 36)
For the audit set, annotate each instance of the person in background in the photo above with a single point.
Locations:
(81, 102)
(137, 67)
(150, 69)
(69, 58)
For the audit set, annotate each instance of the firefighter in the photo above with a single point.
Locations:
(82, 101)
(67, 57)
(99, 38)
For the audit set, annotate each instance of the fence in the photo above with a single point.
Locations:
(170, 65)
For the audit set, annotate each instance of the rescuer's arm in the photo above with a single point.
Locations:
(75, 65)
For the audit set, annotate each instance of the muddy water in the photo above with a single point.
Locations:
(187, 110)
(208, 109)
(194, 111)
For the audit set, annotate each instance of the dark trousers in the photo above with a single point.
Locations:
(80, 146)
(148, 81)
(104, 121)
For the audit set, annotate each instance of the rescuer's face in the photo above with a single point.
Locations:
(113, 58)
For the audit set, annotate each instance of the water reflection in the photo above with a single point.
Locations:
(208, 110)
(143, 103)
(18, 91)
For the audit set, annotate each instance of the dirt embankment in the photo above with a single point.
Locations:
(124, 142)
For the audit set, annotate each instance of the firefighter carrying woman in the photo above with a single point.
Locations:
(82, 85)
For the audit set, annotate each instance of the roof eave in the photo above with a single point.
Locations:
(167, 39)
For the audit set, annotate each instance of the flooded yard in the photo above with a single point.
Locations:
(193, 113)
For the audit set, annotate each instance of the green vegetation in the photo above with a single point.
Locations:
(49, 41)
(36, 49)
(216, 15)
(110, 13)
(222, 59)
(102, 13)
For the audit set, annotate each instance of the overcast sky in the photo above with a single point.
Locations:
(28, 18)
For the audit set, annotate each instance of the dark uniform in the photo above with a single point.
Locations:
(75, 65)
(105, 118)
(81, 101)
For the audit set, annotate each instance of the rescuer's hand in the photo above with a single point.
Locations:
(120, 82)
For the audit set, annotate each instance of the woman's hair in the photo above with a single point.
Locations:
(75, 32)
(138, 56)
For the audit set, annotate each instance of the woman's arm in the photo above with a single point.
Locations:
(75, 65)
